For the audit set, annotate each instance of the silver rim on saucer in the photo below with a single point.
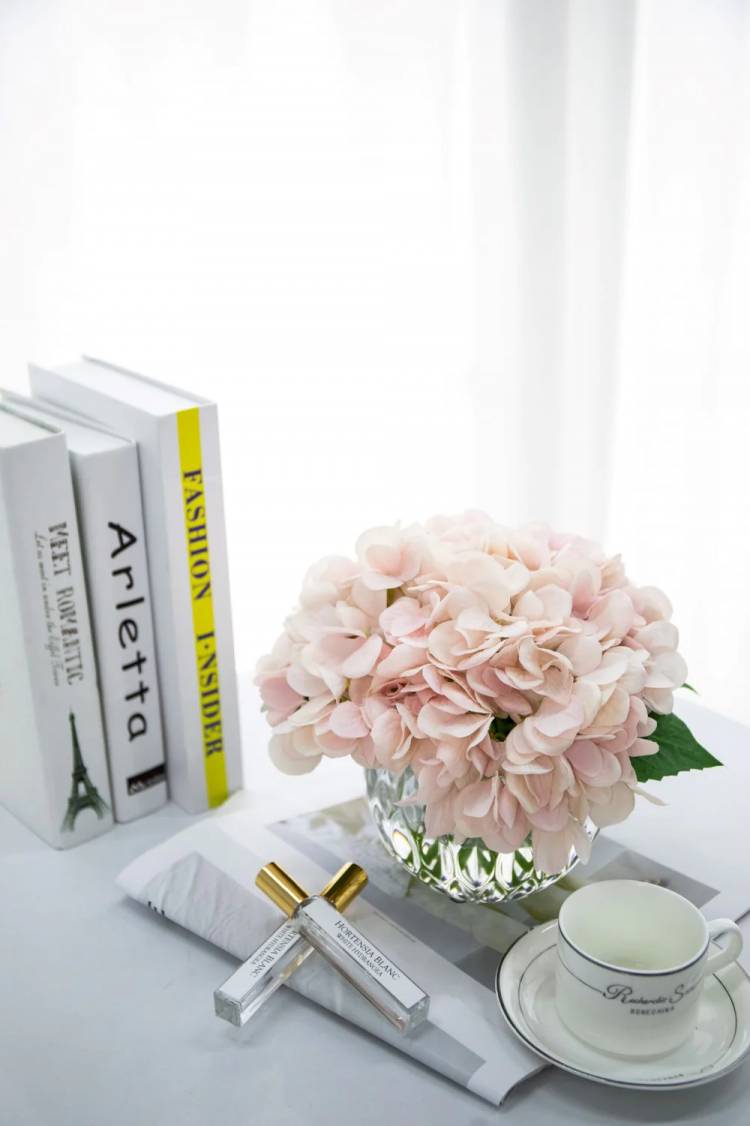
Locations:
(510, 995)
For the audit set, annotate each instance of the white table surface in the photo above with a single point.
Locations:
(106, 1011)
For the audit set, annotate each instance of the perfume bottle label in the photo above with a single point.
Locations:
(372, 960)
(269, 953)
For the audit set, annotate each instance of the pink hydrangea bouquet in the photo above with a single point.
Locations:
(519, 674)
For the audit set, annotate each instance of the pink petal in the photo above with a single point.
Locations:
(551, 850)
(387, 731)
(507, 806)
(476, 799)
(619, 806)
(583, 652)
(401, 661)
(384, 558)
(557, 721)
(551, 820)
(439, 818)
(278, 695)
(346, 720)
(657, 636)
(403, 617)
(652, 603)
(642, 747)
(303, 681)
(364, 659)
(286, 759)
(585, 756)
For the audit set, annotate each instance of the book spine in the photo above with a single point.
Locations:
(180, 460)
(56, 782)
(23, 787)
(108, 497)
(202, 614)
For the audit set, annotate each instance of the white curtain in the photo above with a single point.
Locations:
(427, 254)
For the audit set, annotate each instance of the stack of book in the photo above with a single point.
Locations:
(117, 674)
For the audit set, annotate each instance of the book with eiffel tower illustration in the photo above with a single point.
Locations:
(53, 766)
(84, 794)
(107, 489)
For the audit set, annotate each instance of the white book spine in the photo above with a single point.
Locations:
(108, 497)
(53, 769)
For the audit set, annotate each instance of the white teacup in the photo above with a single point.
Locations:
(631, 962)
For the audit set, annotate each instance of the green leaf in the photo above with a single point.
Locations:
(678, 750)
(690, 688)
(501, 727)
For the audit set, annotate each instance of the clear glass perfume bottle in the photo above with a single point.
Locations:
(276, 959)
(357, 959)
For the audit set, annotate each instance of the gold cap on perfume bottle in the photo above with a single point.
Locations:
(345, 886)
(286, 893)
(280, 888)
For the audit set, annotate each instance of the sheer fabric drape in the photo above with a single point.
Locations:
(428, 255)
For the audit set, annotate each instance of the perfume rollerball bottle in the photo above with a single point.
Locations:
(276, 959)
(357, 959)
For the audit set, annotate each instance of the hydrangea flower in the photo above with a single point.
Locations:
(515, 672)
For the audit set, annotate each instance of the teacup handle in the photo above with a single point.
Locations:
(730, 951)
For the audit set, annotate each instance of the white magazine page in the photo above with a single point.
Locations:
(203, 879)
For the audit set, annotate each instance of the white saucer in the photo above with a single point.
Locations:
(525, 987)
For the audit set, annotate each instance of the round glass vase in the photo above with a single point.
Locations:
(466, 872)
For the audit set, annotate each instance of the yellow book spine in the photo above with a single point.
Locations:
(201, 598)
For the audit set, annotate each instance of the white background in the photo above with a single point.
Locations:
(427, 255)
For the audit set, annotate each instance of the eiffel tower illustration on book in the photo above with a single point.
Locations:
(84, 794)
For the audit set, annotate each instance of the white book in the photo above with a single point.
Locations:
(178, 443)
(107, 488)
(53, 765)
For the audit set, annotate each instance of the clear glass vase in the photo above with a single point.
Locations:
(467, 872)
